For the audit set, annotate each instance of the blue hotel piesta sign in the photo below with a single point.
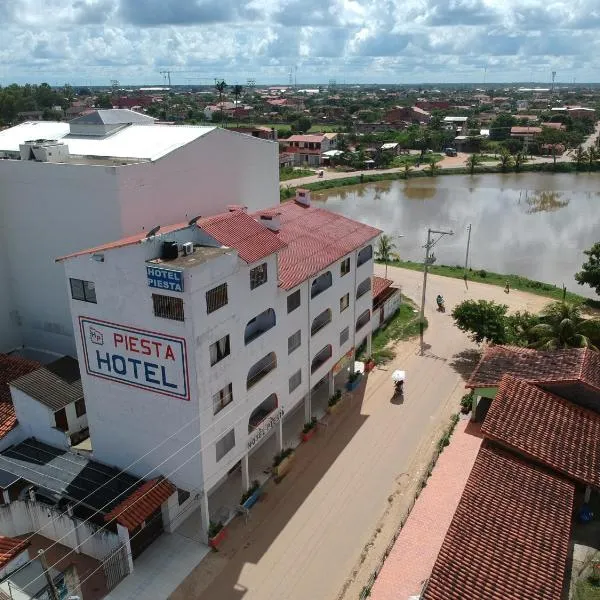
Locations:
(165, 279)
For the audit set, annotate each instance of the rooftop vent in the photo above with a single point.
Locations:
(237, 207)
(303, 197)
(44, 151)
(273, 222)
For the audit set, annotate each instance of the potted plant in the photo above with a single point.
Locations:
(216, 534)
(353, 380)
(369, 364)
(251, 495)
(466, 403)
(309, 429)
(283, 462)
(334, 402)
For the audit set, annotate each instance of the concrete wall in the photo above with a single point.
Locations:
(48, 210)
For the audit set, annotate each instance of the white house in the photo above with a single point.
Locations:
(196, 341)
(104, 176)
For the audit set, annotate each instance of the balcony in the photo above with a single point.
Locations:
(261, 369)
(363, 320)
(320, 321)
(321, 358)
(363, 287)
(364, 255)
(262, 411)
(260, 324)
(320, 284)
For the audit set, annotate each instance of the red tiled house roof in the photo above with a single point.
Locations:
(509, 538)
(380, 285)
(10, 548)
(142, 503)
(11, 368)
(537, 367)
(546, 428)
(315, 238)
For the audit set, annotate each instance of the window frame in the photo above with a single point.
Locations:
(213, 293)
(343, 270)
(88, 290)
(293, 348)
(219, 354)
(347, 297)
(78, 404)
(176, 310)
(346, 330)
(259, 275)
(293, 295)
(230, 433)
(298, 374)
(228, 389)
(360, 262)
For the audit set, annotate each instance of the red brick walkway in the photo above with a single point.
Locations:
(411, 560)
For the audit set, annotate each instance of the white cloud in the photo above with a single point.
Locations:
(93, 41)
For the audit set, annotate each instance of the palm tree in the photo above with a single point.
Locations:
(220, 86)
(505, 160)
(579, 157)
(407, 169)
(237, 92)
(518, 160)
(433, 168)
(472, 162)
(386, 250)
(592, 155)
(562, 326)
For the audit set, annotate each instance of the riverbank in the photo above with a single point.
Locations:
(516, 282)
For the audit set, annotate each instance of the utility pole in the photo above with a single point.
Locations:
(428, 260)
(51, 589)
(468, 244)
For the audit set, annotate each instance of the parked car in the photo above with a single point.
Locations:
(450, 151)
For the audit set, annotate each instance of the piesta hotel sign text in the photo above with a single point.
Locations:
(164, 279)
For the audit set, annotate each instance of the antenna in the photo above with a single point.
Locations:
(114, 83)
(484, 75)
(194, 220)
(166, 76)
(153, 232)
(553, 78)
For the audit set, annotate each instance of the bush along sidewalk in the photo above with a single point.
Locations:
(466, 403)
(309, 429)
(251, 496)
(282, 463)
(334, 402)
(216, 534)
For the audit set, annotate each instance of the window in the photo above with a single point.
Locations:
(261, 369)
(83, 290)
(294, 341)
(364, 255)
(216, 298)
(258, 276)
(363, 287)
(320, 284)
(295, 380)
(182, 496)
(344, 335)
(225, 444)
(259, 325)
(320, 321)
(80, 409)
(345, 267)
(60, 420)
(344, 302)
(167, 307)
(293, 301)
(321, 358)
(219, 350)
(222, 398)
(364, 318)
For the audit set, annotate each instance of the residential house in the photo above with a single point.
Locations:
(525, 133)
(308, 148)
(408, 114)
(386, 301)
(458, 124)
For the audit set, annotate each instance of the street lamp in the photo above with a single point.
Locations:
(398, 235)
(429, 260)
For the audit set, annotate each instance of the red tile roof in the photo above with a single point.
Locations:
(380, 285)
(546, 428)
(239, 230)
(10, 548)
(315, 239)
(142, 503)
(559, 366)
(318, 138)
(11, 368)
(509, 538)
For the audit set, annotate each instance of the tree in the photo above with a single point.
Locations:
(500, 126)
(562, 326)
(505, 160)
(590, 270)
(579, 157)
(220, 86)
(484, 320)
(472, 162)
(385, 250)
(592, 155)
(301, 125)
(433, 168)
(103, 101)
(518, 160)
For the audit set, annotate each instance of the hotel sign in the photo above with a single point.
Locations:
(265, 427)
(135, 357)
(164, 279)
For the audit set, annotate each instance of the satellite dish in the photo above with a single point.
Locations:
(194, 220)
(153, 232)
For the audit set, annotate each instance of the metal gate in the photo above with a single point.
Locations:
(141, 538)
(116, 567)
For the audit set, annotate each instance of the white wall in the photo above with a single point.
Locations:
(48, 210)
(24, 516)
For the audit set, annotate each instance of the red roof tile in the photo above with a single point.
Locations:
(509, 538)
(315, 239)
(546, 428)
(142, 503)
(535, 366)
(10, 548)
(305, 138)
(380, 285)
(239, 230)
(11, 368)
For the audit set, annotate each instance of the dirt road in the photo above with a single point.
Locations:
(307, 536)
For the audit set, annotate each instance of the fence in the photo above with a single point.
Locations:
(116, 567)
(23, 516)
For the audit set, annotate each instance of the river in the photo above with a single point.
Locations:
(531, 224)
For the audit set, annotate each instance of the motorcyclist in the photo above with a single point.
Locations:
(399, 387)
(440, 300)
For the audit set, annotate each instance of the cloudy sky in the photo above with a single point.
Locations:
(386, 41)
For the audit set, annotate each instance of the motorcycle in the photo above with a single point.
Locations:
(398, 378)
(399, 388)
(441, 305)
(320, 175)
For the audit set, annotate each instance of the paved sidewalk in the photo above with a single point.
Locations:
(412, 558)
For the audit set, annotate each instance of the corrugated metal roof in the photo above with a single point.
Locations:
(113, 116)
(49, 388)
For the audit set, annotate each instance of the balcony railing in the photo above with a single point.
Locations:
(321, 358)
(363, 320)
(321, 321)
(363, 288)
(261, 369)
(259, 325)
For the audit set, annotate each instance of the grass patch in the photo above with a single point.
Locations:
(413, 159)
(402, 326)
(585, 590)
(286, 173)
(516, 282)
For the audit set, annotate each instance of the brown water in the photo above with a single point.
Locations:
(530, 224)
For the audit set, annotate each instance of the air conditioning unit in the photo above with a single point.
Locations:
(188, 248)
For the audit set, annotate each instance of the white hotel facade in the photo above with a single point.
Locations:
(196, 341)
